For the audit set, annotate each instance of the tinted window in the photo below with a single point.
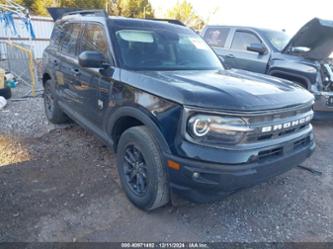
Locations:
(217, 37)
(94, 39)
(71, 35)
(244, 39)
(277, 38)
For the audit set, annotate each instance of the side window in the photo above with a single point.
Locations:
(217, 37)
(56, 35)
(243, 39)
(94, 39)
(69, 41)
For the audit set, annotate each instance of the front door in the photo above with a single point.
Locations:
(95, 89)
(239, 57)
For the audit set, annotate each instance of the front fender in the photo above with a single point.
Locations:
(145, 117)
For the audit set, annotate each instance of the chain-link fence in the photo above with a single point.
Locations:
(3, 61)
(19, 60)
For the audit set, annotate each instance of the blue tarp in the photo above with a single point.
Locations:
(7, 20)
(28, 25)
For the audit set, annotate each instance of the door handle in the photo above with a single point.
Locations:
(230, 56)
(76, 72)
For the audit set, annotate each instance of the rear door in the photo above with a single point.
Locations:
(241, 58)
(67, 76)
(52, 57)
(218, 38)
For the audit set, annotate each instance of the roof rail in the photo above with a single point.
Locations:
(172, 21)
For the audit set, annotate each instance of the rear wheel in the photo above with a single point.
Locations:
(141, 170)
(52, 110)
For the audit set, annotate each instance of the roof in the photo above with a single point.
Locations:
(240, 27)
(151, 23)
(101, 15)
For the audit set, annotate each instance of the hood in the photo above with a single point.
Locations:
(317, 36)
(232, 90)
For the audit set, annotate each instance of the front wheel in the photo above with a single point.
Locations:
(141, 170)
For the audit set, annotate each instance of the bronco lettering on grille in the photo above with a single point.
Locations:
(286, 125)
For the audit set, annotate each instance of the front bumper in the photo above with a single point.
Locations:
(323, 107)
(202, 181)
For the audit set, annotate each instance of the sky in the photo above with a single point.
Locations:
(290, 15)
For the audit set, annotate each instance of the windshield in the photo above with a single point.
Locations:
(163, 49)
(278, 39)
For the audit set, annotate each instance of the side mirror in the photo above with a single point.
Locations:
(92, 59)
(257, 47)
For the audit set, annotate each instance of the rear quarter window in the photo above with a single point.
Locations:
(217, 37)
(56, 35)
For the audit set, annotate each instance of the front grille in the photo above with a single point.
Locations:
(280, 115)
(279, 119)
(256, 136)
(278, 152)
(270, 154)
(301, 143)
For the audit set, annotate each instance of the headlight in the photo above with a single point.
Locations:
(216, 130)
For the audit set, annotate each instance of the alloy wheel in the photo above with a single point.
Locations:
(135, 170)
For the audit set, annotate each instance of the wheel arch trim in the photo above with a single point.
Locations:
(143, 116)
(303, 78)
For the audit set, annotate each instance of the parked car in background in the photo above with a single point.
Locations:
(303, 59)
(158, 95)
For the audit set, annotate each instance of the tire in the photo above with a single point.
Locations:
(140, 167)
(6, 92)
(53, 111)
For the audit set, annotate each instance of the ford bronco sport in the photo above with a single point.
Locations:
(303, 59)
(158, 95)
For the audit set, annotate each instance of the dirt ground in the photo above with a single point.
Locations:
(59, 183)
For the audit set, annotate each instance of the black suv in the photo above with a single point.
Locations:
(304, 59)
(158, 95)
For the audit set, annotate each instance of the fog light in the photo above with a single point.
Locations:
(196, 175)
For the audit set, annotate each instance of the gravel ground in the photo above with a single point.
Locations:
(59, 183)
